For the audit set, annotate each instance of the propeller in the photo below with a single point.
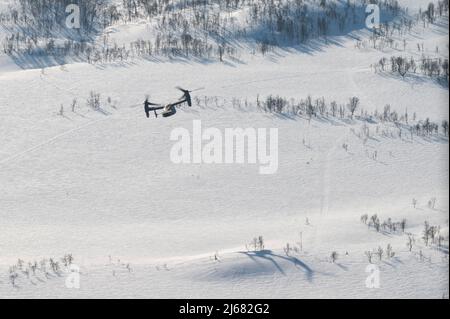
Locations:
(186, 96)
(189, 91)
(150, 103)
(183, 90)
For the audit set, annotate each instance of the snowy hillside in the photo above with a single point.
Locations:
(356, 194)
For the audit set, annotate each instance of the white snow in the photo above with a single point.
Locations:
(100, 185)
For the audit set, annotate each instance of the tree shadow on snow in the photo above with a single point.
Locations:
(249, 41)
(270, 256)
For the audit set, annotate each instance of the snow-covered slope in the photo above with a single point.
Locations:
(110, 189)
(101, 185)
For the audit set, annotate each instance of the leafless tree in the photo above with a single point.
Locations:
(369, 255)
(410, 242)
(353, 105)
(334, 256)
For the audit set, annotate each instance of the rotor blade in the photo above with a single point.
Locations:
(199, 89)
(181, 89)
(190, 91)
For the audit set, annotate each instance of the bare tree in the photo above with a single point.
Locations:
(74, 104)
(334, 256)
(287, 249)
(410, 242)
(380, 253)
(403, 224)
(13, 275)
(369, 255)
(364, 218)
(445, 127)
(389, 251)
(353, 105)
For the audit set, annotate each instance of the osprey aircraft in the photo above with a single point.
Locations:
(169, 109)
